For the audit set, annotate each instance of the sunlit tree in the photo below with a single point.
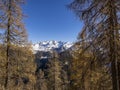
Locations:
(101, 31)
(18, 55)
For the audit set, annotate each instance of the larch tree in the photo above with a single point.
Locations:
(88, 72)
(18, 50)
(41, 81)
(101, 29)
(65, 59)
(54, 73)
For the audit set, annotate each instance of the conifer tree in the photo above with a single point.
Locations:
(41, 81)
(19, 57)
(54, 73)
(101, 30)
(89, 74)
(65, 59)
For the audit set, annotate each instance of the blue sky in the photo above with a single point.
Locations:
(50, 20)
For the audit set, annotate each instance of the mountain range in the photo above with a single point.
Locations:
(46, 46)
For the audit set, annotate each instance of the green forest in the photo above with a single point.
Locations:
(93, 63)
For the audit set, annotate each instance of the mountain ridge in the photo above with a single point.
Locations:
(46, 46)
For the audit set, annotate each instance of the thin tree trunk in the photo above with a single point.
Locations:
(8, 48)
(113, 45)
(7, 57)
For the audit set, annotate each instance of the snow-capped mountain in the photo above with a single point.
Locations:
(52, 45)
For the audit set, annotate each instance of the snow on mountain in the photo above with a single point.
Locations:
(52, 45)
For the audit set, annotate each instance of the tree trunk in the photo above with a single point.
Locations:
(8, 47)
(113, 34)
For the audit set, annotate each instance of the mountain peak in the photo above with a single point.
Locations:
(51, 45)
